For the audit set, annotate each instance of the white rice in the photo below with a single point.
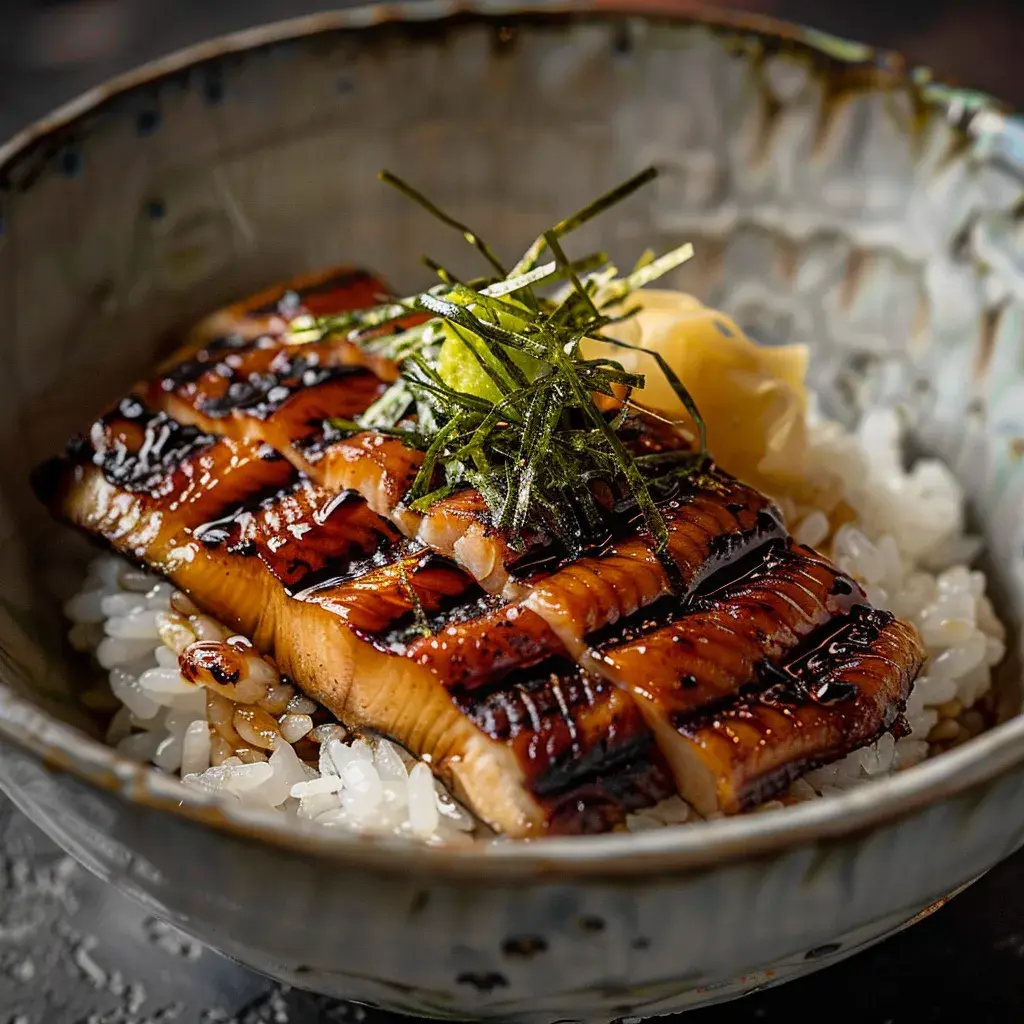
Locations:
(908, 547)
(126, 618)
(910, 550)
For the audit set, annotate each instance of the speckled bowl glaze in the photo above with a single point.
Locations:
(835, 197)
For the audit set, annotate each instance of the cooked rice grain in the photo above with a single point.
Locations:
(907, 545)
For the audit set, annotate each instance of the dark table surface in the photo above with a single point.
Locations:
(72, 951)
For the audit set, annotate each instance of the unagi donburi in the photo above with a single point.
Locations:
(468, 562)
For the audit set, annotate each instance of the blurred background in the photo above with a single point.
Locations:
(50, 50)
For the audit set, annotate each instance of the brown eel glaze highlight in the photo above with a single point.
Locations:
(268, 313)
(841, 692)
(784, 622)
(552, 694)
(289, 396)
(324, 586)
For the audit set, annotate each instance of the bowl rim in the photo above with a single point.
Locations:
(700, 846)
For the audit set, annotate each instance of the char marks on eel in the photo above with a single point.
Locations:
(551, 693)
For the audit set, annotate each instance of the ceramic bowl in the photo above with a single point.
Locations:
(835, 197)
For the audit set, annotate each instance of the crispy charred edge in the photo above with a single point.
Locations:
(586, 778)
(304, 535)
(730, 546)
(138, 448)
(447, 601)
(593, 593)
(262, 379)
(694, 653)
(710, 526)
(162, 463)
(267, 314)
(515, 635)
(468, 655)
(846, 686)
(408, 592)
(321, 293)
(585, 750)
(797, 563)
(601, 802)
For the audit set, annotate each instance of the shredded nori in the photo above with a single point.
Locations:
(538, 451)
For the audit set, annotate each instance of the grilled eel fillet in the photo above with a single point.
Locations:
(557, 699)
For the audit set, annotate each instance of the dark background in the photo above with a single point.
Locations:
(967, 962)
(49, 51)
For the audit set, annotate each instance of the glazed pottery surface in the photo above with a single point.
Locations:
(834, 196)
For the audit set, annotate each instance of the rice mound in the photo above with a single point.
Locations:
(900, 532)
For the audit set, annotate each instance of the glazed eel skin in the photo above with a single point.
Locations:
(551, 695)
